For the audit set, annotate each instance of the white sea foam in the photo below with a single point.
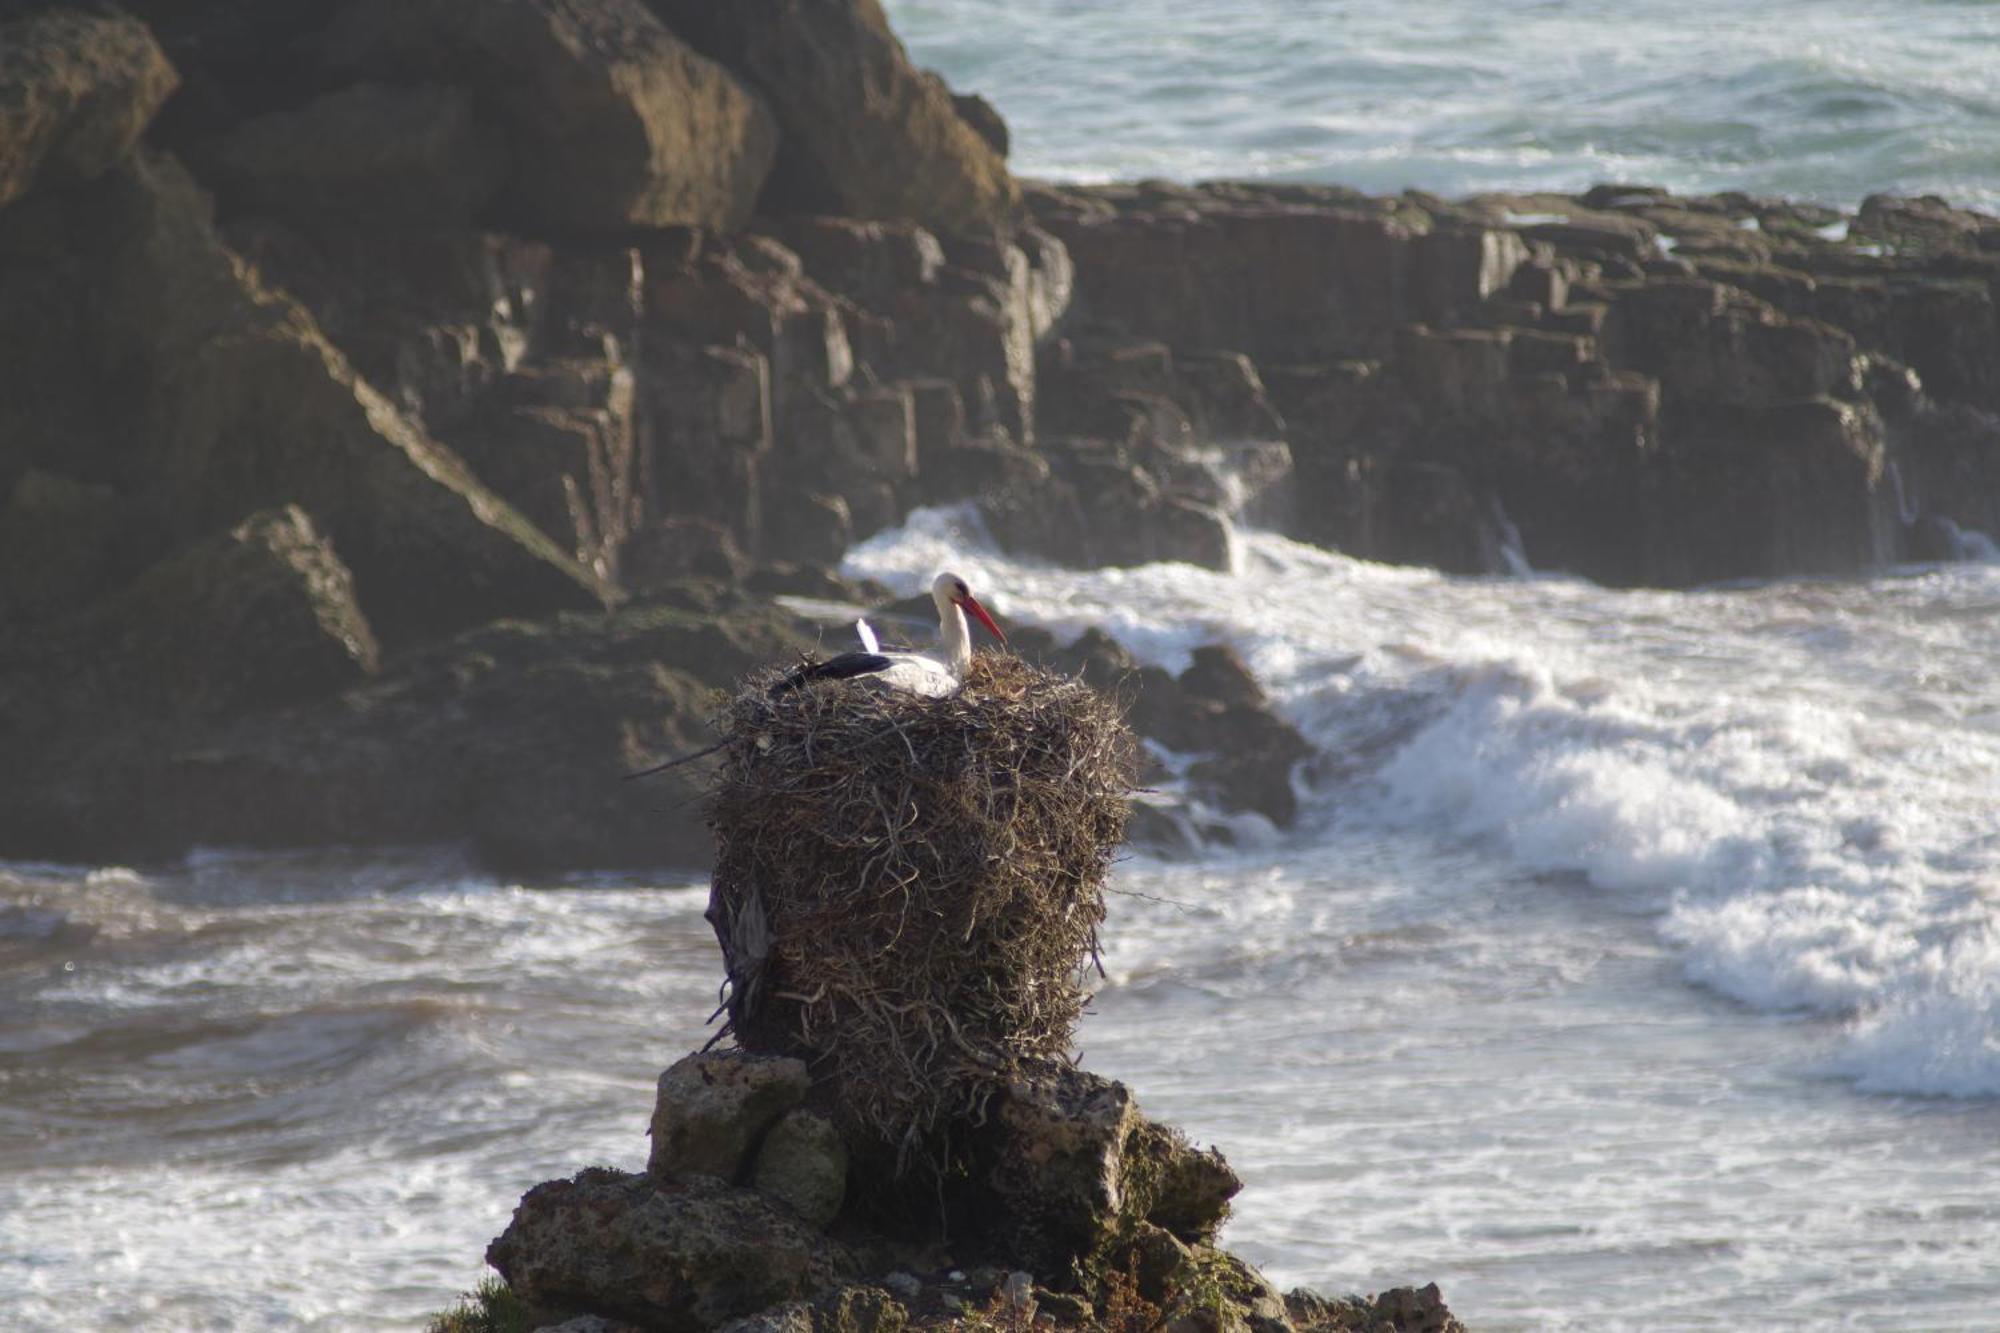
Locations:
(1753, 766)
(1446, 1019)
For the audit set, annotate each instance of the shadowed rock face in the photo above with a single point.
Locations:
(511, 739)
(678, 1256)
(261, 615)
(711, 1110)
(1240, 755)
(369, 152)
(612, 122)
(525, 306)
(1454, 385)
(81, 86)
(865, 133)
(148, 358)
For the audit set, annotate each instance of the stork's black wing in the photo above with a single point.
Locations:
(844, 667)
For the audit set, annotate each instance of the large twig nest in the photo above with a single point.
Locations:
(908, 890)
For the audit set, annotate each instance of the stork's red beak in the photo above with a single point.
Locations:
(971, 603)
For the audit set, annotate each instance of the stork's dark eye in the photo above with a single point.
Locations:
(963, 591)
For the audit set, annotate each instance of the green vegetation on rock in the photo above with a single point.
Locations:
(491, 1307)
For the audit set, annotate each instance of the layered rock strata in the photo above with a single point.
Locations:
(529, 309)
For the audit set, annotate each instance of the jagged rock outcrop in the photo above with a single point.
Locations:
(612, 121)
(1633, 386)
(260, 615)
(77, 88)
(678, 1256)
(444, 313)
(711, 1110)
(146, 356)
(865, 133)
(510, 739)
(1213, 721)
(1069, 1208)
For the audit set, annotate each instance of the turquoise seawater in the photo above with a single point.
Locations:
(1823, 99)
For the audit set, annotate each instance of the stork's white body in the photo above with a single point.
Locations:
(933, 675)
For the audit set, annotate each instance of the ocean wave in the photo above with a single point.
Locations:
(1801, 97)
(1752, 767)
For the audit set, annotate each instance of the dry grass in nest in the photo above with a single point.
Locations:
(908, 890)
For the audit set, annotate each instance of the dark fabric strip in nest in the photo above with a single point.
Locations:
(908, 890)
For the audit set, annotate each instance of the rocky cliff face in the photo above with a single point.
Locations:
(1642, 388)
(415, 318)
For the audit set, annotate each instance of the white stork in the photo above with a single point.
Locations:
(934, 674)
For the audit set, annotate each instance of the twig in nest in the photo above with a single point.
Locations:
(676, 763)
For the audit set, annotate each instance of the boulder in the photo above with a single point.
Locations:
(511, 739)
(803, 1164)
(713, 1108)
(77, 88)
(1925, 224)
(867, 134)
(1399, 1310)
(1215, 712)
(1181, 1189)
(1068, 1165)
(984, 117)
(151, 359)
(1712, 345)
(612, 121)
(679, 1257)
(368, 154)
(260, 615)
(1217, 672)
(1226, 397)
(264, 614)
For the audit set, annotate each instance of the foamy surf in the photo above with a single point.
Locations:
(1779, 776)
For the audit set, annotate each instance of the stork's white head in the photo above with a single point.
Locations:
(949, 590)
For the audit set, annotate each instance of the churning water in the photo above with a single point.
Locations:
(1634, 964)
